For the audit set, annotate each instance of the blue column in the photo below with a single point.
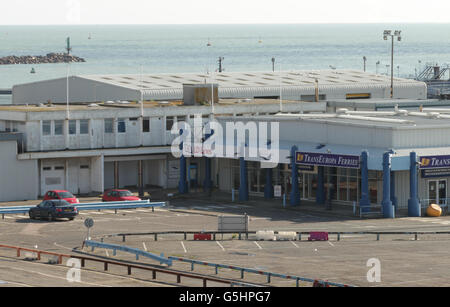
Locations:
(207, 184)
(268, 189)
(243, 184)
(393, 197)
(413, 202)
(388, 209)
(295, 193)
(364, 202)
(182, 184)
(320, 193)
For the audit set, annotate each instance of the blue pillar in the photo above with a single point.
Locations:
(364, 202)
(243, 184)
(182, 184)
(268, 189)
(295, 193)
(393, 197)
(207, 184)
(413, 202)
(388, 209)
(320, 192)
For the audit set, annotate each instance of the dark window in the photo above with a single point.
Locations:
(59, 124)
(46, 127)
(121, 127)
(84, 166)
(65, 195)
(47, 168)
(109, 125)
(169, 122)
(146, 125)
(72, 127)
(59, 168)
(84, 126)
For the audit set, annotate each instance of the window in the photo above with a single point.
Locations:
(59, 168)
(47, 168)
(84, 166)
(109, 125)
(146, 125)
(72, 127)
(84, 126)
(46, 127)
(59, 127)
(169, 123)
(121, 126)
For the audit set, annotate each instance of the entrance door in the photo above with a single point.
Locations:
(437, 192)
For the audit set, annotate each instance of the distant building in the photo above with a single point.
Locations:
(295, 85)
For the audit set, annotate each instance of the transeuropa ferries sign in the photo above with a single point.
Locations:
(310, 158)
(430, 162)
(435, 166)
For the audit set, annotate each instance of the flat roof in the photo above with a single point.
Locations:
(247, 79)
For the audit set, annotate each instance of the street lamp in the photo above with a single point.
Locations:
(386, 35)
(365, 60)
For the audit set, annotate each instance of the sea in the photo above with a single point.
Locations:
(135, 49)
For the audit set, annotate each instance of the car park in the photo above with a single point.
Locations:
(53, 209)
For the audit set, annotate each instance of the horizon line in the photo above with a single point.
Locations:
(229, 24)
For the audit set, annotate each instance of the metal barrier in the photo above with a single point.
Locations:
(269, 275)
(90, 206)
(299, 234)
(106, 264)
(135, 251)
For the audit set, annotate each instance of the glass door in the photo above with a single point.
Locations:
(437, 192)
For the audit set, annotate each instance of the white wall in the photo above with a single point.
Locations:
(18, 179)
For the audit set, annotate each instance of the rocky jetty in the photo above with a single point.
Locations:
(49, 58)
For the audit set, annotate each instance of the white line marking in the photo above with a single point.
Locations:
(330, 243)
(96, 212)
(107, 254)
(182, 244)
(145, 247)
(220, 245)
(259, 246)
(294, 244)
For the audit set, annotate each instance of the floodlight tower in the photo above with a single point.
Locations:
(386, 35)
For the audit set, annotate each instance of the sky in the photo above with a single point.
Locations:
(79, 12)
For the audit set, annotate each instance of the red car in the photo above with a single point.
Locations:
(119, 195)
(61, 194)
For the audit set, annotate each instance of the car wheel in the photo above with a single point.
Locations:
(71, 218)
(50, 217)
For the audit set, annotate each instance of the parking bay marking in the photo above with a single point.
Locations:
(220, 245)
(184, 247)
(259, 246)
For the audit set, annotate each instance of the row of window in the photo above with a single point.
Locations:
(61, 168)
(82, 126)
(58, 127)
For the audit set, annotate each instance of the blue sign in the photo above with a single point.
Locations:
(432, 162)
(310, 158)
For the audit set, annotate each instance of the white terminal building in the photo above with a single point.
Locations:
(105, 137)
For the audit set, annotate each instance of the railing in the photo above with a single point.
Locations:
(269, 275)
(91, 206)
(126, 249)
(107, 263)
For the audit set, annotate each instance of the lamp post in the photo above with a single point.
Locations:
(365, 60)
(386, 35)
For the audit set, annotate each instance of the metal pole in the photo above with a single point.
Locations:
(392, 68)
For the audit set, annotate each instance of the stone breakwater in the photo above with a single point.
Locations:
(47, 59)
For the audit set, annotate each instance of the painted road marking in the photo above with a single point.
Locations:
(220, 245)
(259, 246)
(184, 247)
(107, 254)
(330, 243)
(145, 247)
(293, 243)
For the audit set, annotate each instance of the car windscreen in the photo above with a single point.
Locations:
(125, 193)
(66, 195)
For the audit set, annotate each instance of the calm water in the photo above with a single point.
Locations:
(175, 48)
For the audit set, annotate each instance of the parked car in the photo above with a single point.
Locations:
(53, 209)
(119, 195)
(61, 194)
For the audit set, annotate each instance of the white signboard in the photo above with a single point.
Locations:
(277, 190)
